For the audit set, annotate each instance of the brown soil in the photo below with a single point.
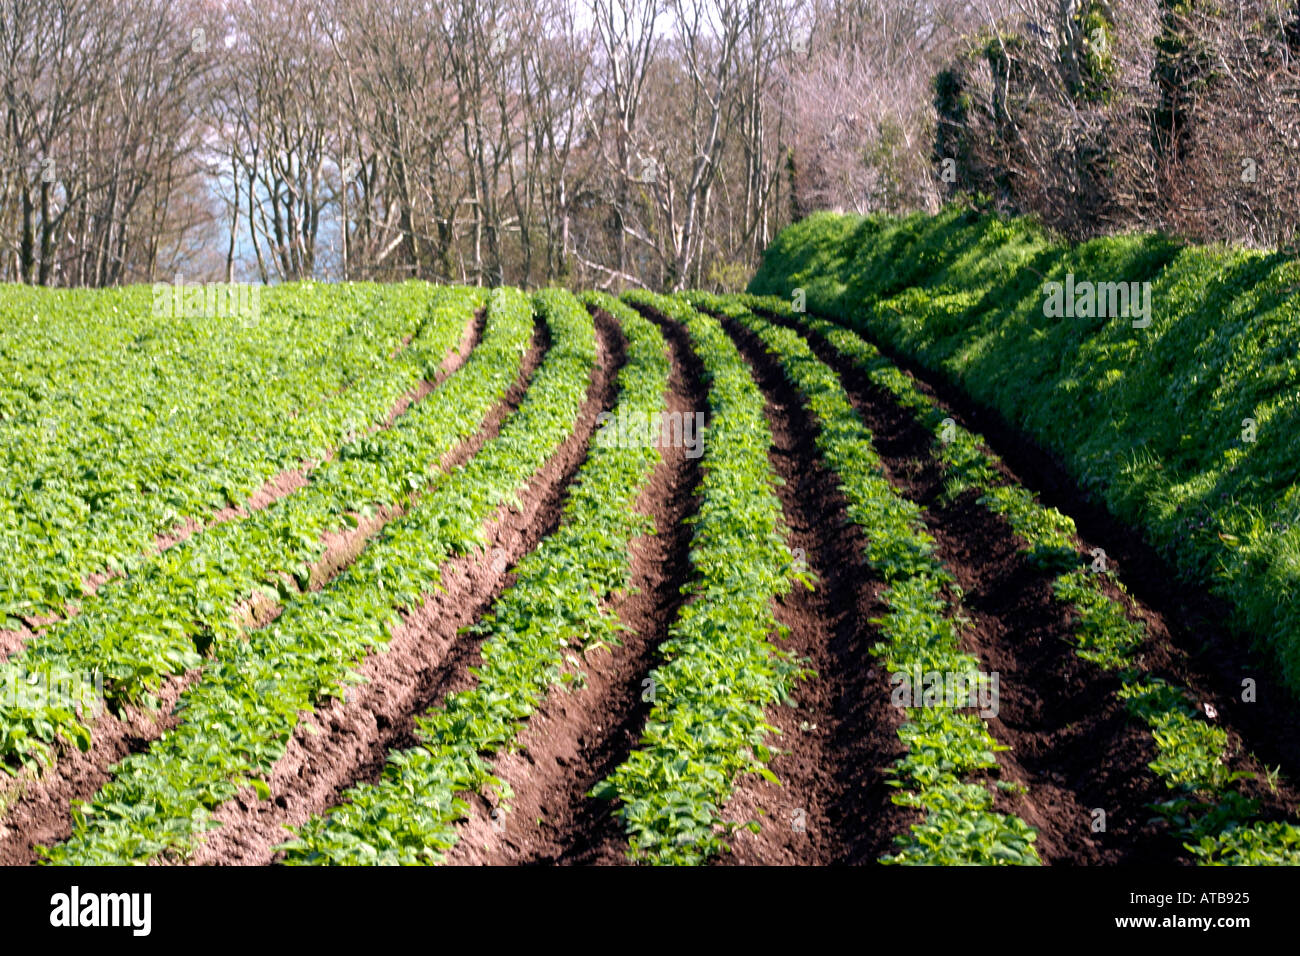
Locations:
(578, 737)
(1073, 744)
(1183, 619)
(38, 811)
(840, 733)
(343, 545)
(349, 741)
(15, 638)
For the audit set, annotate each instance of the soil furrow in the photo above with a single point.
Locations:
(580, 735)
(839, 735)
(1189, 643)
(1073, 744)
(349, 741)
(36, 811)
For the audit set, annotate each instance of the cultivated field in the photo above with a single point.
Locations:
(416, 574)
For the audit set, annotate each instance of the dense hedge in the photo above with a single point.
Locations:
(1150, 419)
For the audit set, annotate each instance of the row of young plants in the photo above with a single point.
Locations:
(1205, 806)
(181, 604)
(239, 718)
(721, 669)
(535, 638)
(949, 751)
(146, 423)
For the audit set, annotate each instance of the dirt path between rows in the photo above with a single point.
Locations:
(1073, 743)
(840, 734)
(580, 735)
(349, 741)
(37, 809)
(1186, 623)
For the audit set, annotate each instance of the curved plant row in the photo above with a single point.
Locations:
(161, 620)
(947, 748)
(1205, 806)
(238, 720)
(136, 423)
(721, 670)
(554, 611)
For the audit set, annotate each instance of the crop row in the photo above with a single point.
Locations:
(947, 748)
(143, 423)
(238, 720)
(161, 620)
(1205, 805)
(707, 725)
(553, 612)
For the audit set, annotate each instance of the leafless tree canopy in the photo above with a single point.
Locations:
(616, 142)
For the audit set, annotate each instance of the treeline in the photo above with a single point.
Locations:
(616, 142)
(596, 142)
(1102, 115)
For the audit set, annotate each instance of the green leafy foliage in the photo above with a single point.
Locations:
(239, 718)
(120, 424)
(1192, 754)
(555, 607)
(181, 604)
(721, 671)
(1152, 420)
(945, 747)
